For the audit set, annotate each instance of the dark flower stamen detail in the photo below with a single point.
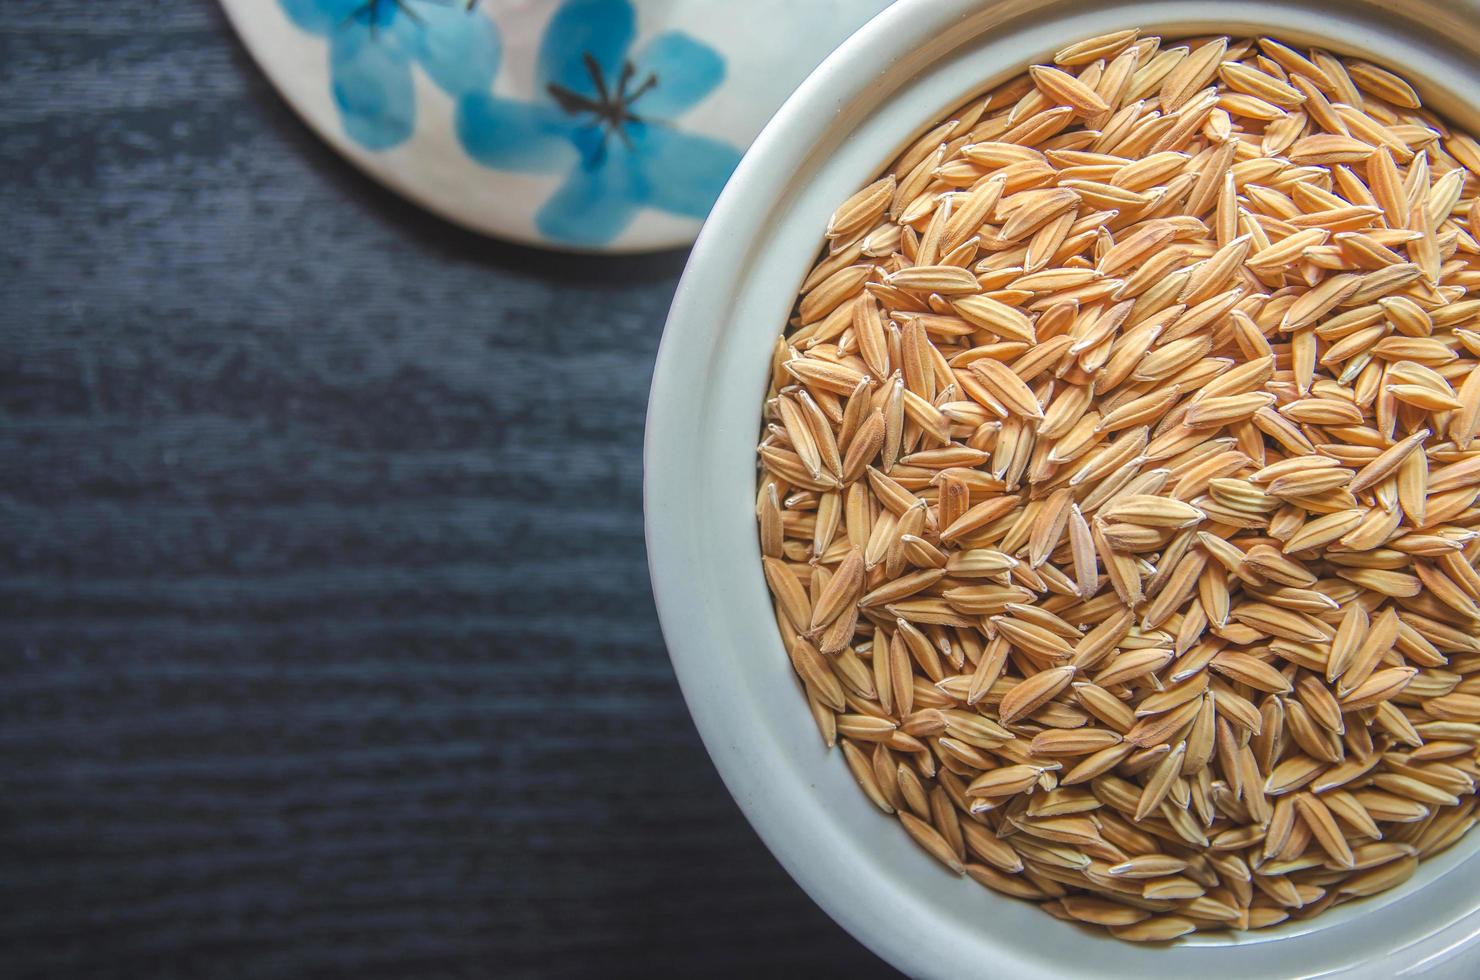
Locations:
(369, 12)
(611, 110)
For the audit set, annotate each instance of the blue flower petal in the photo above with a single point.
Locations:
(590, 140)
(681, 173)
(508, 135)
(592, 206)
(686, 71)
(602, 29)
(320, 16)
(372, 86)
(611, 173)
(460, 51)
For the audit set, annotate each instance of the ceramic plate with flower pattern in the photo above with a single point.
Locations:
(595, 125)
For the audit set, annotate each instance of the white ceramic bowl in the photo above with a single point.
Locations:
(889, 81)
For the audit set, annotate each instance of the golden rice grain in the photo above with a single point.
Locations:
(1094, 48)
(1119, 481)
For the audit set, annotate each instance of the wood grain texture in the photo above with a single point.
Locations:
(298, 483)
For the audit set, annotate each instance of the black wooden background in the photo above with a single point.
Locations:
(326, 643)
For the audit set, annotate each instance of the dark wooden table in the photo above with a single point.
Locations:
(327, 646)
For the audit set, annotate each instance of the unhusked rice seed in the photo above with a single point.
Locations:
(1118, 484)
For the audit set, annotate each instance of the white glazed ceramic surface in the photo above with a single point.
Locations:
(448, 102)
(867, 100)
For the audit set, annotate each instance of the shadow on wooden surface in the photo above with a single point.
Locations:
(328, 645)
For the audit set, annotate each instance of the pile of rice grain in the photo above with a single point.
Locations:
(1118, 485)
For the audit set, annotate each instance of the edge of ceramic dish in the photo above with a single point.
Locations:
(698, 495)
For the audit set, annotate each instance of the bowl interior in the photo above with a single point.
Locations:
(884, 87)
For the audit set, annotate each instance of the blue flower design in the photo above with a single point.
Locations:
(604, 117)
(374, 43)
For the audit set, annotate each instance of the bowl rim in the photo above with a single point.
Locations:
(693, 342)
